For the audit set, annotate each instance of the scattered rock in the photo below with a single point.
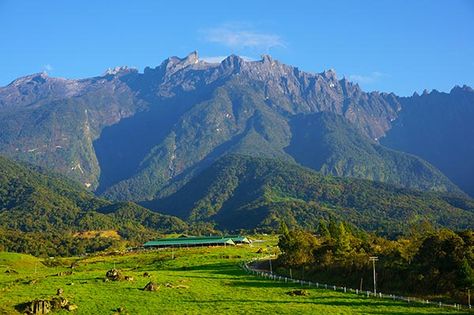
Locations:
(151, 286)
(38, 307)
(60, 291)
(114, 275)
(59, 302)
(129, 278)
(298, 293)
(146, 274)
(33, 281)
(168, 285)
(44, 306)
(71, 307)
(182, 286)
(11, 271)
(260, 250)
(64, 273)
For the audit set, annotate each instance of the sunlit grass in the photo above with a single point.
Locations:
(200, 280)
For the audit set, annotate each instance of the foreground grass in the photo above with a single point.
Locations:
(200, 280)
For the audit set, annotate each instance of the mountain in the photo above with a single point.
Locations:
(35, 200)
(138, 136)
(242, 192)
(329, 143)
(438, 128)
(53, 122)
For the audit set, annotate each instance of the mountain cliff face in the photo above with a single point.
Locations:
(136, 136)
(438, 127)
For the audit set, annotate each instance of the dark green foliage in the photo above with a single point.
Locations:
(246, 192)
(40, 212)
(439, 262)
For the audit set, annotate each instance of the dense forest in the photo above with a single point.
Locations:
(243, 192)
(438, 263)
(42, 212)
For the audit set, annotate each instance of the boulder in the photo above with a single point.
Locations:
(298, 293)
(151, 286)
(38, 307)
(58, 302)
(71, 307)
(114, 275)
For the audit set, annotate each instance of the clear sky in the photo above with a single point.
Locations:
(386, 45)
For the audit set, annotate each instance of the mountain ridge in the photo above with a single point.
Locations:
(127, 129)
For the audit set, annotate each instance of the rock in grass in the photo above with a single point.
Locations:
(114, 275)
(59, 302)
(71, 307)
(298, 293)
(38, 307)
(60, 291)
(46, 306)
(151, 286)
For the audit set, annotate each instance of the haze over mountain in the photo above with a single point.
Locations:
(139, 136)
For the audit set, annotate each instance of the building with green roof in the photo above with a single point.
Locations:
(193, 241)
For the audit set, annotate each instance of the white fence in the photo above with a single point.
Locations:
(272, 276)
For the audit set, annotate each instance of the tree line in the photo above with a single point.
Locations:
(430, 262)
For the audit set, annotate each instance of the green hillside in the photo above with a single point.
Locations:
(191, 281)
(38, 208)
(241, 192)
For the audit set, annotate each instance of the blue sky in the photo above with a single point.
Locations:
(399, 46)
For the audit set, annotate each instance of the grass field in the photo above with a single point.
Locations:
(200, 281)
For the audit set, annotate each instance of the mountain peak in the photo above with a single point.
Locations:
(118, 70)
(39, 77)
(464, 88)
(330, 74)
(267, 59)
(232, 61)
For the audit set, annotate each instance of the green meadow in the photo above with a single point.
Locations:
(192, 281)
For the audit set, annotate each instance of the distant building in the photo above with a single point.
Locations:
(194, 241)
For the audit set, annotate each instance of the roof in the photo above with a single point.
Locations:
(189, 241)
(198, 240)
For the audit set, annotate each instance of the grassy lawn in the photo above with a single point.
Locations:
(200, 281)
